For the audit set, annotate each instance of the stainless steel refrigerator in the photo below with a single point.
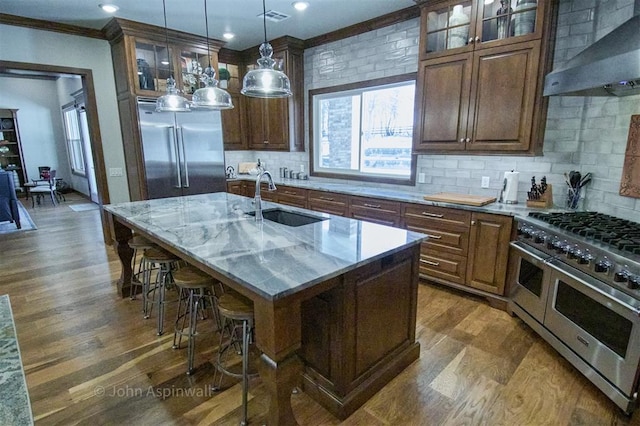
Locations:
(183, 152)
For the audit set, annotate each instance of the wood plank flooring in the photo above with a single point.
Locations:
(90, 358)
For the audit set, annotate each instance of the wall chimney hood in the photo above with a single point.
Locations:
(610, 66)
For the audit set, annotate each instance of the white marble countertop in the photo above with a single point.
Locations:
(520, 209)
(271, 259)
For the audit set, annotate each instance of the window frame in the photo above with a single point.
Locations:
(359, 176)
(74, 151)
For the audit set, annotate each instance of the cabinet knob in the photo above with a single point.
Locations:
(467, 140)
(470, 40)
(473, 222)
(477, 39)
(265, 142)
(461, 140)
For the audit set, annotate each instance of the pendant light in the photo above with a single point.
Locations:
(172, 101)
(265, 81)
(211, 96)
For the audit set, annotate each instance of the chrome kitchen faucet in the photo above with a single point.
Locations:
(257, 200)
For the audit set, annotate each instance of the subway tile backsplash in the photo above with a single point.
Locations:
(588, 134)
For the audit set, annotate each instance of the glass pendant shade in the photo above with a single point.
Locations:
(265, 81)
(211, 96)
(172, 101)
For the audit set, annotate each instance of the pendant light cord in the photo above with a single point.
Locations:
(264, 19)
(206, 23)
(166, 35)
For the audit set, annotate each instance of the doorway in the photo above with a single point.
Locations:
(94, 162)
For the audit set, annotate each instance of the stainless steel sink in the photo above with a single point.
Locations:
(288, 218)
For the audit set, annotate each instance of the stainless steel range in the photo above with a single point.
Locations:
(577, 284)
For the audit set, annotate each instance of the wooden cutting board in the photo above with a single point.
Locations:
(470, 200)
(244, 168)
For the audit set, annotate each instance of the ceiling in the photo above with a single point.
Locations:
(241, 17)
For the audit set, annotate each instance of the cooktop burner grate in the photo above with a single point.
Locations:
(619, 233)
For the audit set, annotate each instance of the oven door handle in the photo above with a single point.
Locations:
(531, 257)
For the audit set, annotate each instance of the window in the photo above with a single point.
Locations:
(73, 127)
(363, 131)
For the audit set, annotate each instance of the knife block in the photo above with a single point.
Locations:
(545, 201)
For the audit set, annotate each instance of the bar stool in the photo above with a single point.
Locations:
(237, 316)
(139, 243)
(166, 263)
(196, 289)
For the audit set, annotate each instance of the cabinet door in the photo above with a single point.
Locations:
(192, 63)
(500, 22)
(447, 28)
(328, 202)
(504, 84)
(268, 123)
(233, 124)
(488, 252)
(236, 187)
(442, 104)
(154, 62)
(292, 196)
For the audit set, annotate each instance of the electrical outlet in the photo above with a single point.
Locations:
(115, 171)
(421, 178)
(485, 181)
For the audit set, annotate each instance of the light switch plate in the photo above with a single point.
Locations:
(421, 178)
(115, 171)
(485, 181)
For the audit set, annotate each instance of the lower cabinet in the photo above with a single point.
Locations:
(488, 252)
(466, 249)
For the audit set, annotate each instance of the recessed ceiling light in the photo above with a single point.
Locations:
(228, 36)
(300, 5)
(109, 8)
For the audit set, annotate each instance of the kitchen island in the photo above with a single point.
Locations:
(334, 300)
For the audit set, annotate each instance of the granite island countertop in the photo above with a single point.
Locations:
(391, 194)
(269, 258)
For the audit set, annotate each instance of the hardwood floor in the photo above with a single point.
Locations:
(90, 358)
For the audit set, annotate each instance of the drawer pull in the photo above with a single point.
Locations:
(326, 198)
(435, 237)
(432, 214)
(373, 206)
(428, 262)
(290, 192)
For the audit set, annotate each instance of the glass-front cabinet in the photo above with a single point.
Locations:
(192, 63)
(465, 25)
(153, 66)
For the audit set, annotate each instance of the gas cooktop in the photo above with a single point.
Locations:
(617, 233)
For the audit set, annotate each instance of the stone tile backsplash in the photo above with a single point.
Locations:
(588, 134)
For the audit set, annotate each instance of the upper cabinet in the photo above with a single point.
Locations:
(277, 124)
(234, 121)
(480, 76)
(144, 57)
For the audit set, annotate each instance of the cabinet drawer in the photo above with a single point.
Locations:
(328, 202)
(443, 267)
(443, 240)
(292, 196)
(437, 217)
(236, 187)
(375, 210)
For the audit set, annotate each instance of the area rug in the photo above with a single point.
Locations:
(84, 207)
(25, 220)
(15, 407)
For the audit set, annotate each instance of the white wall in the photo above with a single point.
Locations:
(582, 133)
(20, 44)
(39, 121)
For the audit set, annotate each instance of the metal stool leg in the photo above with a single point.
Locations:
(245, 370)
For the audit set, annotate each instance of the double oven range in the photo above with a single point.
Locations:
(576, 282)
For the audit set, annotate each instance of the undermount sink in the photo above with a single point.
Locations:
(288, 218)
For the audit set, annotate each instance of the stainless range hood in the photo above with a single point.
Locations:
(610, 66)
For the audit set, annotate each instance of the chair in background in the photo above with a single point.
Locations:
(44, 186)
(8, 199)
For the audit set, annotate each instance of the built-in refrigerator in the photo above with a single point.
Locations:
(183, 151)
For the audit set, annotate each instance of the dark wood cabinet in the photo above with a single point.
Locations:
(11, 156)
(237, 187)
(234, 121)
(292, 196)
(488, 252)
(277, 124)
(351, 344)
(138, 52)
(483, 95)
